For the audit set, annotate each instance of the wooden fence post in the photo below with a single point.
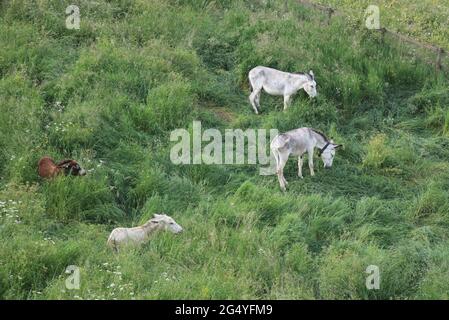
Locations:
(330, 12)
(383, 31)
(438, 65)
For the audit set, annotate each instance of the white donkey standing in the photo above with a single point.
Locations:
(297, 142)
(279, 83)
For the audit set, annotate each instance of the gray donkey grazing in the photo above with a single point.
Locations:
(297, 142)
(279, 83)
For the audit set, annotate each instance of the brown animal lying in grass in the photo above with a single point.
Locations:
(49, 169)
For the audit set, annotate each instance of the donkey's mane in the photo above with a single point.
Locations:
(321, 134)
(63, 162)
(305, 74)
(147, 224)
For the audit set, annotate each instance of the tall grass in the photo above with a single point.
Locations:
(109, 94)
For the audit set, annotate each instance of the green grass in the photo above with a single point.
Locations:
(425, 20)
(109, 94)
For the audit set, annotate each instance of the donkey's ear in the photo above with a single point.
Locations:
(66, 165)
(156, 215)
(338, 146)
(311, 74)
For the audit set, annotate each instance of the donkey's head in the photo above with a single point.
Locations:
(71, 167)
(327, 153)
(310, 85)
(164, 222)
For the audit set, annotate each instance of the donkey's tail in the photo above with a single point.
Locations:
(250, 83)
(112, 243)
(280, 141)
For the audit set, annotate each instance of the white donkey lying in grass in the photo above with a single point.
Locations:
(279, 83)
(140, 234)
(297, 142)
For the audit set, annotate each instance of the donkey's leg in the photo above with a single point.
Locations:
(257, 100)
(300, 161)
(253, 99)
(280, 170)
(286, 102)
(277, 158)
(310, 158)
(285, 181)
(256, 87)
(282, 181)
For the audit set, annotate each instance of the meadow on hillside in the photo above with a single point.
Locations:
(110, 93)
(424, 20)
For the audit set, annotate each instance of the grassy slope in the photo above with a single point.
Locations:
(110, 93)
(426, 20)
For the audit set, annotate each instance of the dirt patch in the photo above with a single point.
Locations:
(224, 114)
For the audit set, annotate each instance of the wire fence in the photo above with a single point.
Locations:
(439, 53)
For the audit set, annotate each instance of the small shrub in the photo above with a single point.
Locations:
(404, 269)
(326, 219)
(438, 118)
(377, 152)
(434, 285)
(33, 265)
(428, 98)
(80, 198)
(432, 204)
(227, 214)
(291, 230)
(268, 207)
(170, 106)
(342, 271)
